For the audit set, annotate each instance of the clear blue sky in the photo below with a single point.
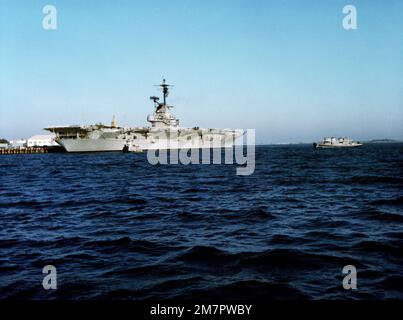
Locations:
(286, 68)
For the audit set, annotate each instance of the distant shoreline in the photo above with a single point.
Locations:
(374, 141)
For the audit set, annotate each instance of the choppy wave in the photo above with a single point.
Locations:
(119, 228)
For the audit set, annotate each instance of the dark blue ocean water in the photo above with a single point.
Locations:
(116, 227)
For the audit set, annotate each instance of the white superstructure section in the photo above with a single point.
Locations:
(41, 140)
(164, 133)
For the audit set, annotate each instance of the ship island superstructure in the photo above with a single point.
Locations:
(164, 133)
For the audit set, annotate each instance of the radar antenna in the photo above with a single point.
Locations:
(155, 100)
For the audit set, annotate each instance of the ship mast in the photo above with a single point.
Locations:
(165, 90)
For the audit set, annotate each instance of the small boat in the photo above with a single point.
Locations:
(337, 143)
(131, 148)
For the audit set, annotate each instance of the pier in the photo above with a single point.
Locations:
(22, 150)
(31, 150)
